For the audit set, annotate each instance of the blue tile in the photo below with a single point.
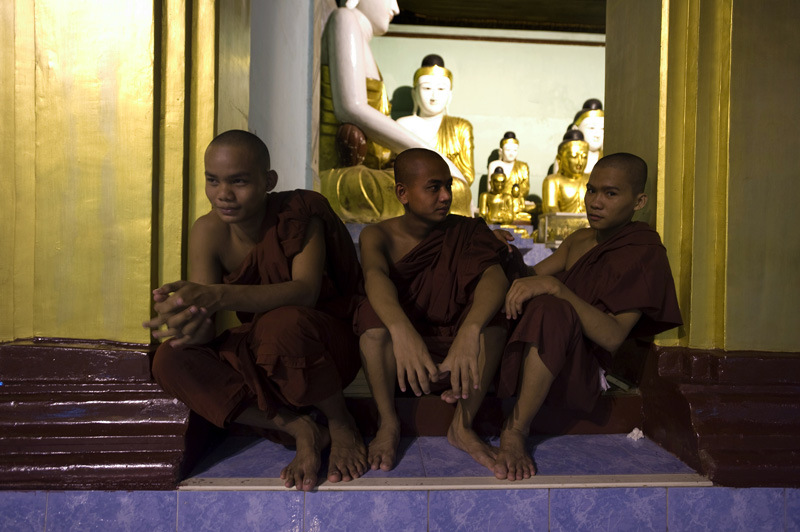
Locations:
(792, 510)
(730, 509)
(587, 454)
(489, 510)
(618, 509)
(651, 456)
(242, 511)
(408, 465)
(124, 511)
(247, 457)
(23, 511)
(366, 511)
(443, 460)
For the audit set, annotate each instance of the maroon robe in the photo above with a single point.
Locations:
(628, 272)
(436, 280)
(291, 356)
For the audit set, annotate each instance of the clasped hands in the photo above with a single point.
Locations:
(185, 308)
(415, 365)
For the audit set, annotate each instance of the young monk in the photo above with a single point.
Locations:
(434, 286)
(602, 285)
(287, 265)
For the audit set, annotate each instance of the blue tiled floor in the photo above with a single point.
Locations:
(648, 507)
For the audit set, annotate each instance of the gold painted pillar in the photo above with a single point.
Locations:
(682, 91)
(105, 125)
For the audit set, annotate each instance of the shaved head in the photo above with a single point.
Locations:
(632, 166)
(244, 139)
(417, 162)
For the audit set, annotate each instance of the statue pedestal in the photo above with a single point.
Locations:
(556, 226)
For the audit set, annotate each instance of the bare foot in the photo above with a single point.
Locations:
(513, 461)
(383, 449)
(310, 440)
(449, 397)
(348, 458)
(469, 442)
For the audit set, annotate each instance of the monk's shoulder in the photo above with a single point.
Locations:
(210, 227)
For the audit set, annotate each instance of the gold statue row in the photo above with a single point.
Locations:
(358, 137)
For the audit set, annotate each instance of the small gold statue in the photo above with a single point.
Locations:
(496, 207)
(516, 171)
(564, 191)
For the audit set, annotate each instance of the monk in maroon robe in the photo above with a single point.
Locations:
(434, 285)
(287, 265)
(602, 285)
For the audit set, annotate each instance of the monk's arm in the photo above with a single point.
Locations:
(302, 290)
(605, 329)
(462, 358)
(411, 354)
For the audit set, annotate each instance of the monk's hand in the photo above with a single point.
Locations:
(185, 325)
(462, 361)
(414, 363)
(527, 288)
(504, 236)
(179, 295)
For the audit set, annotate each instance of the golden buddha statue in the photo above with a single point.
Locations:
(564, 191)
(451, 136)
(496, 207)
(590, 121)
(518, 205)
(516, 171)
(358, 138)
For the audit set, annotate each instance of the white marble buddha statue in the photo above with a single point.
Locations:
(451, 136)
(590, 121)
(516, 171)
(358, 138)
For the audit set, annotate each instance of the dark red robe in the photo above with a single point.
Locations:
(291, 356)
(436, 280)
(629, 271)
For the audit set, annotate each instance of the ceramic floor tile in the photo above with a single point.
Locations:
(617, 509)
(366, 511)
(713, 509)
(489, 510)
(121, 511)
(792, 510)
(585, 454)
(240, 511)
(443, 460)
(245, 457)
(23, 511)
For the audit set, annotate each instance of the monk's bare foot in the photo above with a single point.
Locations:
(383, 449)
(348, 458)
(310, 439)
(449, 397)
(513, 462)
(469, 442)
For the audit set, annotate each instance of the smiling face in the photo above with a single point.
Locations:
(379, 13)
(610, 199)
(235, 184)
(593, 129)
(432, 94)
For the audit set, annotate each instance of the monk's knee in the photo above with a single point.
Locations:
(376, 338)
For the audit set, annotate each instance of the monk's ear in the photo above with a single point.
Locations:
(401, 192)
(272, 180)
(641, 201)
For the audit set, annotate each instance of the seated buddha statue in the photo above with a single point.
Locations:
(590, 121)
(358, 138)
(518, 205)
(517, 171)
(496, 206)
(564, 191)
(451, 136)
